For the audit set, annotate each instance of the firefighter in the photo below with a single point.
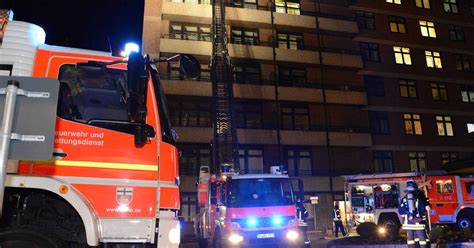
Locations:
(414, 207)
(337, 220)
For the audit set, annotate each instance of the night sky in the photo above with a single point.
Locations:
(83, 23)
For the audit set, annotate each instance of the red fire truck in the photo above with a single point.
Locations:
(375, 198)
(253, 209)
(113, 177)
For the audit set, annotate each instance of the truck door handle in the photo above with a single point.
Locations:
(439, 204)
(59, 154)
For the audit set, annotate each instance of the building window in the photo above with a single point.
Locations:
(472, 7)
(290, 41)
(190, 113)
(407, 88)
(417, 161)
(192, 156)
(379, 123)
(294, 117)
(438, 91)
(365, 20)
(450, 6)
(402, 55)
(463, 63)
(456, 32)
(470, 127)
(247, 73)
(244, 36)
(382, 161)
(374, 86)
(425, 4)
(192, 1)
(190, 32)
(370, 51)
(249, 115)
(289, 7)
(299, 161)
(292, 76)
(251, 160)
(427, 29)
(247, 4)
(447, 157)
(467, 94)
(174, 72)
(397, 24)
(412, 124)
(444, 125)
(433, 59)
(394, 1)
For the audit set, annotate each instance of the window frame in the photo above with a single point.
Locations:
(463, 62)
(445, 122)
(370, 52)
(408, 85)
(418, 157)
(243, 36)
(433, 59)
(397, 22)
(246, 156)
(456, 33)
(423, 4)
(365, 20)
(414, 120)
(450, 6)
(297, 150)
(299, 40)
(469, 93)
(293, 114)
(292, 79)
(200, 33)
(244, 77)
(288, 10)
(439, 88)
(447, 157)
(244, 109)
(181, 108)
(382, 156)
(405, 55)
(398, 2)
(427, 28)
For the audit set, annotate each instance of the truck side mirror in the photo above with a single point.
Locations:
(137, 79)
(189, 66)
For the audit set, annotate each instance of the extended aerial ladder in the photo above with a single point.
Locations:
(224, 145)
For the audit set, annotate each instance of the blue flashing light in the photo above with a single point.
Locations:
(252, 222)
(276, 221)
(131, 47)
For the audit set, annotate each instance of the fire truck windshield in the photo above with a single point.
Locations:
(260, 192)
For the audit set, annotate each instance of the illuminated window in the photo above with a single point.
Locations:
(427, 29)
(425, 4)
(365, 20)
(463, 63)
(247, 4)
(417, 161)
(444, 186)
(470, 127)
(450, 6)
(412, 124)
(444, 125)
(290, 41)
(407, 88)
(397, 24)
(370, 51)
(438, 91)
(394, 1)
(190, 32)
(456, 32)
(288, 7)
(433, 59)
(447, 157)
(467, 94)
(402, 55)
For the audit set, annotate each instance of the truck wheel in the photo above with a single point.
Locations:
(28, 237)
(465, 221)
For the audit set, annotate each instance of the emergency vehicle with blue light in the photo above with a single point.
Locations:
(113, 177)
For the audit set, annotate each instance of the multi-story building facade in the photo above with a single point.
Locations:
(419, 79)
(326, 87)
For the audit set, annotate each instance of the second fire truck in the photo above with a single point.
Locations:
(375, 198)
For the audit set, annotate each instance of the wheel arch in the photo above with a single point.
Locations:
(78, 202)
(389, 216)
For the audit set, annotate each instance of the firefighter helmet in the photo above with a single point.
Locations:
(411, 185)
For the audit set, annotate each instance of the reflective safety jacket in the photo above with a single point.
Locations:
(414, 220)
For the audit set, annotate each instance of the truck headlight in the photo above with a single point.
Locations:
(292, 235)
(235, 238)
(174, 235)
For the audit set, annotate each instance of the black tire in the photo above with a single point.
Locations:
(465, 220)
(28, 237)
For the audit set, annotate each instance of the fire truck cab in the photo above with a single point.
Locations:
(375, 198)
(253, 209)
(113, 177)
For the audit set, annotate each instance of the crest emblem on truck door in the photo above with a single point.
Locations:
(124, 196)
